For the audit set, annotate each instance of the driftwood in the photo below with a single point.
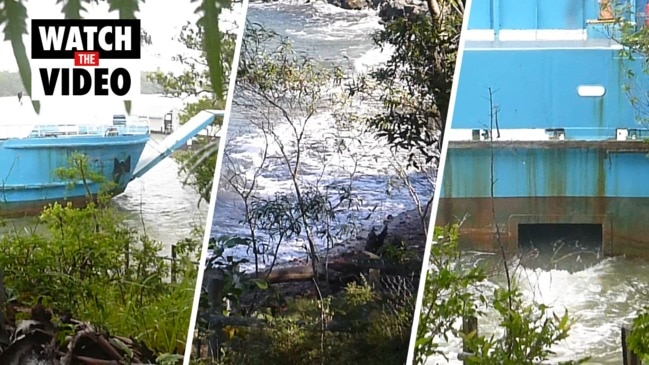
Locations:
(349, 265)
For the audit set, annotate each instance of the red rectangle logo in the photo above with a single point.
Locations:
(86, 59)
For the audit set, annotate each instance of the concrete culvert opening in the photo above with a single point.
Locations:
(569, 247)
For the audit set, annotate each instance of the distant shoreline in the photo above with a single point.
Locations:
(388, 10)
(11, 84)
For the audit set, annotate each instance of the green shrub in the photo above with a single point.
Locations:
(89, 265)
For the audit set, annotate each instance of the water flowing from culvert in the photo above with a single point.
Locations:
(601, 294)
(336, 37)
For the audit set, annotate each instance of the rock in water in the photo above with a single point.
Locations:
(354, 4)
(371, 244)
(394, 9)
(374, 241)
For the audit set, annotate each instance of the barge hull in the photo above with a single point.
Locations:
(548, 182)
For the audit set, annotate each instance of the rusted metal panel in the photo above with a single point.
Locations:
(624, 220)
(522, 72)
(573, 168)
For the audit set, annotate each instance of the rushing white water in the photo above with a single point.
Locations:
(336, 37)
(601, 298)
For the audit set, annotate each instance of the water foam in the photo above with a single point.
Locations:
(372, 58)
(601, 299)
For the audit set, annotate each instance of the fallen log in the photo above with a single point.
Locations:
(335, 272)
(348, 265)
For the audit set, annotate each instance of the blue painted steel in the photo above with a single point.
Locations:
(28, 166)
(516, 14)
(537, 14)
(535, 86)
(550, 172)
(483, 10)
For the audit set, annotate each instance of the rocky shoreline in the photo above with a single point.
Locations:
(389, 10)
(405, 227)
(294, 278)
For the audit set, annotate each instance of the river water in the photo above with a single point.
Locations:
(333, 36)
(601, 295)
(157, 203)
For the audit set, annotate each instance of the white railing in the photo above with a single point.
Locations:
(39, 131)
(55, 130)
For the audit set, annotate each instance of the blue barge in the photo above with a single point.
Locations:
(543, 99)
(31, 155)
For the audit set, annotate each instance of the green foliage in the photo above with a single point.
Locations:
(529, 333)
(234, 283)
(80, 172)
(397, 252)
(636, 46)
(639, 338)
(294, 214)
(72, 8)
(14, 18)
(415, 83)
(90, 265)
(452, 293)
(361, 333)
(635, 40)
(197, 81)
(285, 89)
(126, 8)
(281, 92)
(274, 74)
(448, 294)
(93, 267)
(199, 167)
(356, 325)
(211, 9)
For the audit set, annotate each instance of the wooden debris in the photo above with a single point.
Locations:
(38, 341)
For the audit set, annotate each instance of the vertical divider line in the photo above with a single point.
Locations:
(215, 182)
(438, 184)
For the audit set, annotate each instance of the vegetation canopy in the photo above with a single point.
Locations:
(83, 270)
